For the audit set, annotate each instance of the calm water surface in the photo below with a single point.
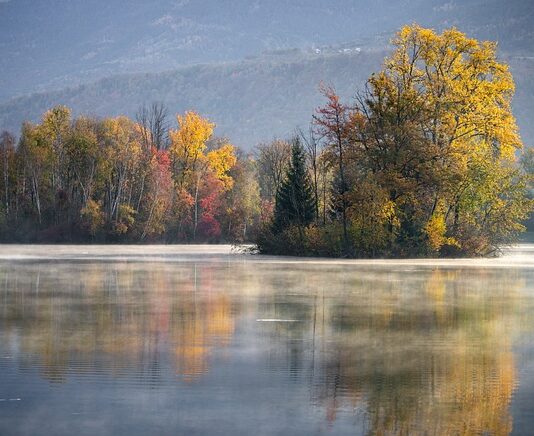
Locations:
(201, 340)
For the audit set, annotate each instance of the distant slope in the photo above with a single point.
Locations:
(49, 44)
(250, 101)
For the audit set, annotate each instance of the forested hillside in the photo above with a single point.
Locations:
(253, 100)
(254, 66)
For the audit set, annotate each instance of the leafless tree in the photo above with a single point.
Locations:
(154, 124)
(7, 150)
(313, 151)
(273, 159)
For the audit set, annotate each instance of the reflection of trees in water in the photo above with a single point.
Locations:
(408, 350)
(435, 357)
(115, 318)
(201, 326)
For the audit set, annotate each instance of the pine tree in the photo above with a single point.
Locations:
(295, 204)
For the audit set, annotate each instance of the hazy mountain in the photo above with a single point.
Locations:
(251, 101)
(49, 44)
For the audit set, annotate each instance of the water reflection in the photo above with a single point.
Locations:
(439, 360)
(113, 317)
(371, 350)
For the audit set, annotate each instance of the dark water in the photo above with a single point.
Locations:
(169, 341)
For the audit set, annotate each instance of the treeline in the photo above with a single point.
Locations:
(119, 180)
(423, 162)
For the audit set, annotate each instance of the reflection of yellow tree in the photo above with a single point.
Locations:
(433, 357)
(201, 327)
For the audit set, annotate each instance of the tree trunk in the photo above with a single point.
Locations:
(196, 208)
(36, 196)
(6, 180)
(343, 190)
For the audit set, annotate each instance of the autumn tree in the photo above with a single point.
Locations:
(439, 133)
(188, 144)
(201, 166)
(331, 123)
(158, 196)
(216, 181)
(243, 201)
(82, 157)
(55, 127)
(121, 148)
(36, 157)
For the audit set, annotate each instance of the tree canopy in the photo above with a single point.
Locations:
(115, 179)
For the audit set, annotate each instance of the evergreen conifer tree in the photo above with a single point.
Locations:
(295, 204)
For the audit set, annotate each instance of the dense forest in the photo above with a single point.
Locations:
(116, 179)
(423, 162)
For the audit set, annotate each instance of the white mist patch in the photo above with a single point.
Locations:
(519, 256)
(276, 320)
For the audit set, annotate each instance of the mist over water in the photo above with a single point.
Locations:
(207, 340)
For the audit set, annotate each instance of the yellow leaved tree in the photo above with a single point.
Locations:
(439, 141)
(197, 158)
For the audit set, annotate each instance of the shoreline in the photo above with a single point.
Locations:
(519, 256)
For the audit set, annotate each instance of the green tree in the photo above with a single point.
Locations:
(295, 204)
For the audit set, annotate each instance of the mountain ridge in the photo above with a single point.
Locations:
(48, 44)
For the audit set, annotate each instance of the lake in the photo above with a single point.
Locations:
(167, 340)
